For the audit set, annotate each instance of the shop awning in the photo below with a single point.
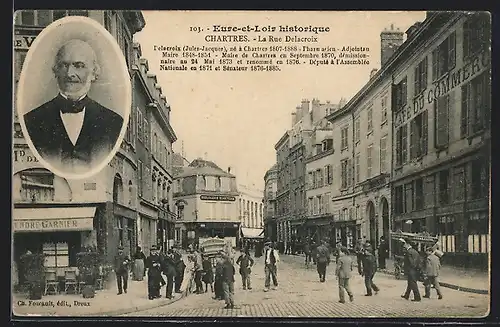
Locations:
(252, 232)
(53, 219)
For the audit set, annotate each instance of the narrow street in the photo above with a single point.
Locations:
(300, 294)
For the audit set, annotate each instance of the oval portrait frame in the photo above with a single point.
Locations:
(107, 50)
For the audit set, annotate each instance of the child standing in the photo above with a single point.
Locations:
(246, 262)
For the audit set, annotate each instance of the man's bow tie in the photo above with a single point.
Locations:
(73, 107)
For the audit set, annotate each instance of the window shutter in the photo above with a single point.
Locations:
(425, 132)
(404, 143)
(330, 174)
(424, 74)
(350, 172)
(416, 77)
(413, 139)
(451, 51)
(398, 147)
(435, 58)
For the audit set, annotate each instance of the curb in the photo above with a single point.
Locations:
(444, 284)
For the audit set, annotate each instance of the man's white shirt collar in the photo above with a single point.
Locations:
(73, 122)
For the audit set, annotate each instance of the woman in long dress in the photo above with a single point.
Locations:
(139, 259)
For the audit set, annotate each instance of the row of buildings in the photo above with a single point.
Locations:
(410, 151)
(144, 195)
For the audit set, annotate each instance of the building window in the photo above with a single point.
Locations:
(217, 183)
(383, 154)
(107, 21)
(140, 126)
(419, 194)
(56, 254)
(119, 227)
(384, 109)
(44, 17)
(442, 109)
(357, 169)
(477, 31)
(357, 130)
(400, 93)
(327, 145)
(140, 170)
(444, 57)
(28, 17)
(320, 204)
(408, 205)
(421, 77)
(320, 177)
(147, 141)
(346, 173)
(329, 174)
(444, 187)
(310, 179)
(476, 105)
(419, 135)
(369, 161)
(401, 145)
(430, 191)
(479, 179)
(37, 185)
(398, 199)
(446, 230)
(344, 132)
(369, 113)
(479, 238)
(315, 206)
(458, 185)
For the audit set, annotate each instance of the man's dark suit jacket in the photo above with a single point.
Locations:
(100, 130)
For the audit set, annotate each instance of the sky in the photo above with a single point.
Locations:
(235, 118)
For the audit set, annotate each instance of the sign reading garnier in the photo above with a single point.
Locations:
(51, 225)
(217, 198)
(444, 85)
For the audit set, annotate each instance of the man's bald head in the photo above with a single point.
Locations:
(75, 68)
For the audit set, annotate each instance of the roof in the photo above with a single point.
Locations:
(205, 171)
(252, 232)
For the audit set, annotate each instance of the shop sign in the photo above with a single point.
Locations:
(23, 42)
(24, 156)
(53, 225)
(217, 198)
(443, 86)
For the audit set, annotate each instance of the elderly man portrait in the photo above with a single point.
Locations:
(72, 131)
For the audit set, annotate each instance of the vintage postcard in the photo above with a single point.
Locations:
(251, 164)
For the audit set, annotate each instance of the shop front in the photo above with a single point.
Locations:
(347, 232)
(227, 230)
(57, 232)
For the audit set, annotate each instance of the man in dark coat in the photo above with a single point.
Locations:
(154, 265)
(322, 260)
(228, 281)
(359, 254)
(218, 284)
(412, 270)
(72, 131)
(169, 271)
(383, 252)
(180, 268)
(369, 267)
(122, 262)
(245, 262)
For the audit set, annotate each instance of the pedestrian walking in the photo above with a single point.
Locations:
(307, 252)
(121, 270)
(383, 252)
(180, 268)
(154, 268)
(198, 271)
(228, 281)
(218, 287)
(245, 262)
(411, 267)
(139, 268)
(169, 271)
(369, 267)
(343, 272)
(358, 249)
(431, 273)
(271, 259)
(322, 260)
(208, 273)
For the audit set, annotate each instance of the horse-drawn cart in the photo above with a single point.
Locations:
(419, 241)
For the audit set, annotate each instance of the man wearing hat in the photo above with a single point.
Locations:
(180, 267)
(411, 267)
(154, 265)
(121, 270)
(271, 258)
(322, 260)
(369, 268)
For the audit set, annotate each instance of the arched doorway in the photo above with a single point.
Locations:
(384, 205)
(370, 210)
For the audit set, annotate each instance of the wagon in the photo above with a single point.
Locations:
(420, 241)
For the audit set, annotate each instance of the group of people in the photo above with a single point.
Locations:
(170, 264)
(416, 266)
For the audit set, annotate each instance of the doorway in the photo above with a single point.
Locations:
(370, 210)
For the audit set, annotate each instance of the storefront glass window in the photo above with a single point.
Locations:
(37, 185)
(56, 255)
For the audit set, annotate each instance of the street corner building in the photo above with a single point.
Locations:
(269, 200)
(129, 202)
(206, 199)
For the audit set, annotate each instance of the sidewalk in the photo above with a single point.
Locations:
(466, 280)
(105, 303)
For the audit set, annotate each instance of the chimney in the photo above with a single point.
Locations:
(373, 72)
(229, 170)
(294, 118)
(305, 107)
(412, 29)
(390, 40)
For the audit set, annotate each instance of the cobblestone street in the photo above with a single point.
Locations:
(300, 294)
